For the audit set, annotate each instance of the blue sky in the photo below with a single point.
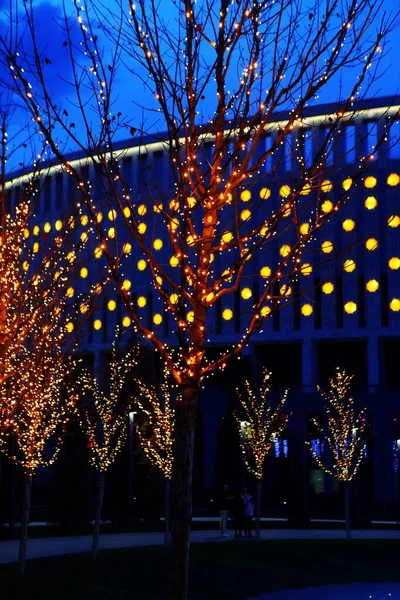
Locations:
(130, 94)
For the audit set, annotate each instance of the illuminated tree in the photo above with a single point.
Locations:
(217, 76)
(262, 425)
(104, 422)
(157, 439)
(344, 436)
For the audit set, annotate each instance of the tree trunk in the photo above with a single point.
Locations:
(181, 500)
(258, 509)
(346, 489)
(167, 513)
(26, 506)
(99, 508)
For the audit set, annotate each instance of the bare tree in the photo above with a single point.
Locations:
(104, 422)
(262, 425)
(217, 75)
(344, 436)
(157, 439)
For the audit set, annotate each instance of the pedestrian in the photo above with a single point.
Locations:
(248, 512)
(238, 514)
(223, 501)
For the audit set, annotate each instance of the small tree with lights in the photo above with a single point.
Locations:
(104, 422)
(217, 76)
(263, 424)
(344, 436)
(157, 438)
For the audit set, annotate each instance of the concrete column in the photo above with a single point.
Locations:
(309, 365)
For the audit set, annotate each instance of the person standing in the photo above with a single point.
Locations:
(224, 500)
(238, 514)
(248, 511)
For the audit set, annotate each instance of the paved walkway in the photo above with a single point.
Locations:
(42, 547)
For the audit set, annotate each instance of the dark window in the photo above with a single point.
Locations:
(361, 301)
(391, 353)
(348, 355)
(350, 143)
(277, 357)
(384, 300)
(339, 302)
(318, 305)
(59, 191)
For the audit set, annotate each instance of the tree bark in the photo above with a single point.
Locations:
(167, 513)
(181, 499)
(26, 506)
(346, 489)
(258, 509)
(99, 508)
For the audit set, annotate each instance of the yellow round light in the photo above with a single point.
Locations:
(69, 327)
(111, 233)
(347, 183)
(349, 265)
(327, 247)
(174, 204)
(126, 248)
(326, 186)
(142, 227)
(157, 319)
(84, 272)
(174, 261)
(71, 256)
(36, 230)
(227, 314)
(190, 316)
(285, 290)
(47, 228)
(157, 244)
(246, 293)
(245, 214)
(26, 233)
(371, 202)
(227, 237)
(306, 310)
(127, 212)
(306, 189)
(98, 252)
(84, 220)
(371, 244)
(126, 285)
(265, 311)
(142, 209)
(370, 182)
(265, 193)
(210, 296)
(395, 305)
(97, 324)
(70, 292)
(245, 196)
(83, 308)
(141, 301)
(328, 288)
(126, 322)
(348, 225)
(306, 269)
(191, 202)
(157, 209)
(284, 191)
(159, 280)
(141, 264)
(84, 237)
(228, 198)
(174, 224)
(394, 221)
(287, 212)
(327, 206)
(393, 179)
(112, 305)
(265, 271)
(350, 307)
(394, 263)
(227, 275)
(190, 240)
(99, 217)
(372, 285)
(264, 230)
(58, 225)
(284, 250)
(112, 214)
(304, 228)
(36, 247)
(174, 298)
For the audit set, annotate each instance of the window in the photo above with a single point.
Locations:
(350, 143)
(372, 138)
(59, 190)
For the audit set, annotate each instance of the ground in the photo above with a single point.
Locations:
(234, 570)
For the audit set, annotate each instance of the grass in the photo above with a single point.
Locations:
(229, 570)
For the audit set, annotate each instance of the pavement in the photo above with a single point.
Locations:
(57, 546)
(353, 591)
